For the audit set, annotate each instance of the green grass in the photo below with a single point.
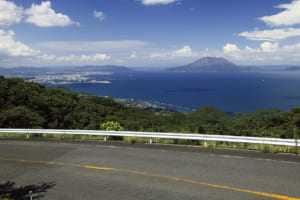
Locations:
(5, 197)
(18, 135)
(133, 140)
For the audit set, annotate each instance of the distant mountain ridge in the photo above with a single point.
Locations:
(292, 69)
(205, 64)
(87, 68)
(107, 68)
(211, 64)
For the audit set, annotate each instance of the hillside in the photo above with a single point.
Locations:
(209, 115)
(32, 105)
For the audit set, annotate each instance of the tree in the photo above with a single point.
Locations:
(111, 126)
(20, 117)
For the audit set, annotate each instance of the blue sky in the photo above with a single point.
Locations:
(148, 33)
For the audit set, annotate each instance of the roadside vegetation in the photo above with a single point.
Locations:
(31, 105)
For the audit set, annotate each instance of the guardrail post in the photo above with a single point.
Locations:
(30, 194)
(205, 143)
(105, 138)
(27, 135)
(295, 136)
(150, 142)
(296, 147)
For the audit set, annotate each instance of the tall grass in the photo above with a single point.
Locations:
(5, 197)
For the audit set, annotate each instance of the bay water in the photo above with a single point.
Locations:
(186, 92)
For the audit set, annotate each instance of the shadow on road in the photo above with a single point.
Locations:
(9, 190)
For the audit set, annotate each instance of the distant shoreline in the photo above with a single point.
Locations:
(71, 83)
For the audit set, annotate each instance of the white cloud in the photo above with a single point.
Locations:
(44, 16)
(290, 16)
(229, 48)
(266, 54)
(157, 2)
(11, 47)
(251, 50)
(91, 46)
(269, 47)
(233, 51)
(271, 35)
(295, 49)
(157, 55)
(9, 13)
(47, 56)
(95, 57)
(133, 55)
(100, 15)
(83, 58)
(185, 51)
(67, 58)
(270, 52)
(101, 57)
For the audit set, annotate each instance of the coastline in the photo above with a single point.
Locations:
(87, 82)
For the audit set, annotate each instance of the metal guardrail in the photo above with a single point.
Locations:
(150, 135)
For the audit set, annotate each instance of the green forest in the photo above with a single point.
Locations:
(32, 105)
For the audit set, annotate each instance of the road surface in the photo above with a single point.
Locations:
(97, 170)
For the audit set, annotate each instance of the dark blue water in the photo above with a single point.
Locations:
(229, 92)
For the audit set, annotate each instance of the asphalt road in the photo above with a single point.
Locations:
(98, 170)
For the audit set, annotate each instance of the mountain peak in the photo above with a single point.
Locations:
(211, 61)
(208, 64)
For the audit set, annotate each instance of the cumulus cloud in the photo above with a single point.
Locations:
(269, 47)
(91, 46)
(9, 13)
(229, 48)
(95, 57)
(100, 15)
(290, 15)
(157, 2)
(185, 51)
(270, 50)
(232, 50)
(9, 46)
(44, 16)
(271, 35)
(83, 58)
(47, 56)
(266, 53)
(101, 57)
(66, 58)
(157, 55)
(252, 50)
(133, 55)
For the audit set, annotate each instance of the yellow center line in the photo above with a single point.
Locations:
(101, 168)
(275, 196)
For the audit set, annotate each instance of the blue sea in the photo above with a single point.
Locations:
(186, 92)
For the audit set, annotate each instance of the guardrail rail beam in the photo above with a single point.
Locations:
(151, 135)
